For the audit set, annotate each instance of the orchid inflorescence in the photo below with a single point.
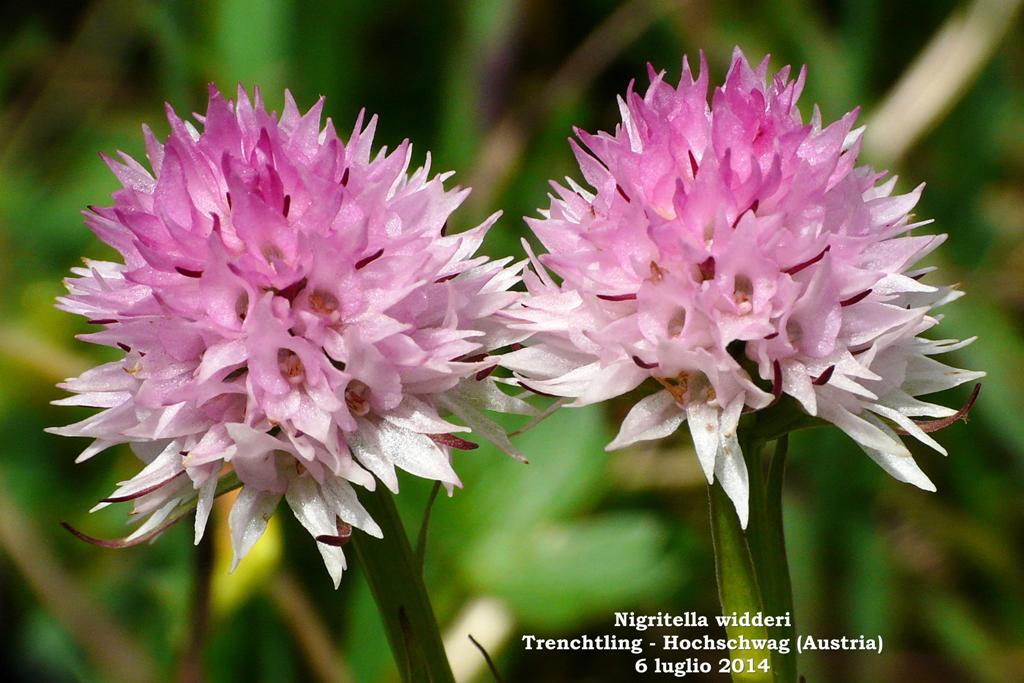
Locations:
(735, 254)
(292, 317)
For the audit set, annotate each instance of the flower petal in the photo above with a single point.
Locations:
(653, 417)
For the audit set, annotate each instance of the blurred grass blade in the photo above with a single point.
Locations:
(109, 646)
(308, 629)
(937, 78)
(502, 149)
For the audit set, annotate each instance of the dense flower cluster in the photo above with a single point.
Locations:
(291, 313)
(734, 253)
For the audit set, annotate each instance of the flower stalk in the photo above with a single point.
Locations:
(751, 566)
(396, 581)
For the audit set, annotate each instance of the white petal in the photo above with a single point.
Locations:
(486, 395)
(343, 500)
(95, 399)
(730, 419)
(415, 453)
(418, 416)
(654, 417)
(155, 519)
(912, 407)
(844, 383)
(703, 420)
(572, 383)
(97, 446)
(480, 424)
(106, 377)
(612, 381)
(731, 470)
(248, 520)
(796, 382)
(900, 465)
(932, 346)
(160, 470)
(867, 434)
(542, 362)
(908, 425)
(310, 508)
(117, 420)
(204, 504)
(366, 449)
(927, 375)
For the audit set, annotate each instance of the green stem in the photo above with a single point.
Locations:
(397, 584)
(737, 584)
(767, 545)
(753, 576)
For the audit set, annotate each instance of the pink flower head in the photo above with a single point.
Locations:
(290, 307)
(734, 253)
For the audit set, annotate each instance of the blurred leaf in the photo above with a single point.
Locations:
(556, 575)
(999, 351)
(868, 600)
(966, 636)
(251, 40)
(50, 649)
(501, 495)
(473, 76)
(365, 645)
(250, 647)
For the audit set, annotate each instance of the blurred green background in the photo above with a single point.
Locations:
(493, 87)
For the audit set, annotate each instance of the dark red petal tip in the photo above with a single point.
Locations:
(526, 386)
(776, 383)
(453, 441)
(362, 263)
(292, 290)
(336, 541)
(617, 297)
(824, 377)
(140, 494)
(809, 262)
(643, 364)
(486, 372)
(118, 543)
(942, 423)
(752, 209)
(855, 298)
